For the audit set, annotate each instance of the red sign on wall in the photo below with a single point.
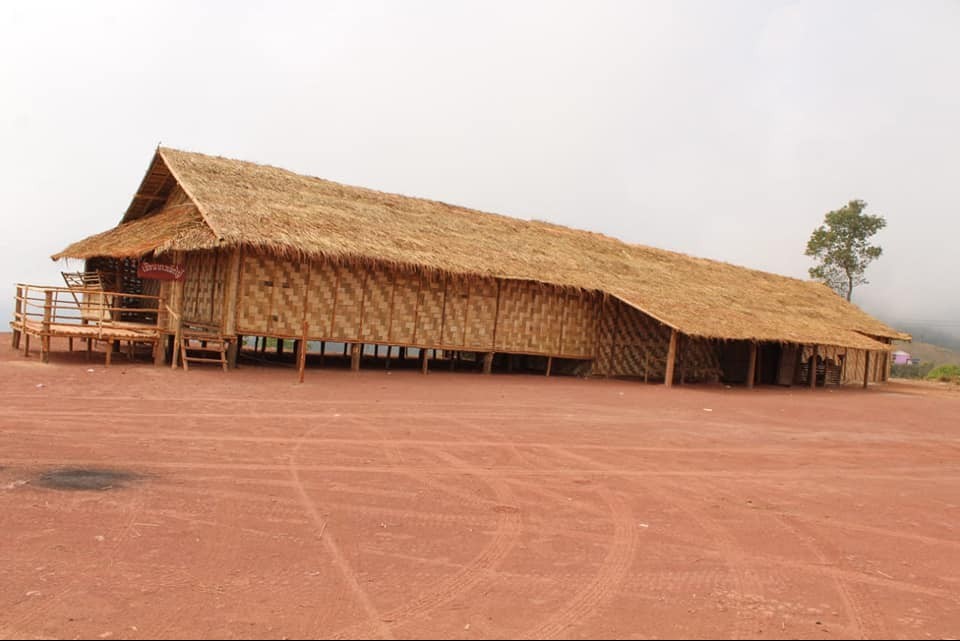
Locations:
(160, 271)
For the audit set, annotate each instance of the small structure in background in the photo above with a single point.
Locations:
(901, 357)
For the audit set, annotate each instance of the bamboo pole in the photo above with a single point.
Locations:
(813, 367)
(752, 365)
(45, 337)
(671, 358)
(302, 354)
(866, 369)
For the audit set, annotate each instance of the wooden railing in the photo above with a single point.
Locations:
(80, 306)
(93, 313)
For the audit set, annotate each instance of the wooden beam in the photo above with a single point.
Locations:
(488, 363)
(866, 369)
(752, 365)
(671, 358)
(17, 317)
(302, 353)
(813, 367)
(355, 356)
(233, 351)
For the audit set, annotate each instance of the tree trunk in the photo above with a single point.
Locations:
(849, 287)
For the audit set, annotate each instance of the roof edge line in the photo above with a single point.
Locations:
(186, 190)
(650, 314)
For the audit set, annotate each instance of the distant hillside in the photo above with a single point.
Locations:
(929, 353)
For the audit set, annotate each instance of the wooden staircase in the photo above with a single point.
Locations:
(203, 346)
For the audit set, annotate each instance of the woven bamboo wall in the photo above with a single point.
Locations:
(854, 361)
(376, 304)
(203, 286)
(630, 343)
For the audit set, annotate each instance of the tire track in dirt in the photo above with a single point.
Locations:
(743, 576)
(850, 603)
(374, 618)
(613, 570)
(737, 560)
(476, 571)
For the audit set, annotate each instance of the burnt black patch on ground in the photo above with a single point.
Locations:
(82, 478)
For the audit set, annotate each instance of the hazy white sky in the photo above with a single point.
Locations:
(720, 129)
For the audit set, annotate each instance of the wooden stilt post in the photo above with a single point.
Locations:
(671, 358)
(109, 357)
(355, 356)
(488, 363)
(17, 318)
(26, 344)
(425, 358)
(389, 355)
(451, 355)
(302, 353)
(279, 346)
(70, 343)
(759, 376)
(323, 349)
(549, 364)
(233, 352)
(752, 365)
(646, 366)
(813, 367)
(682, 358)
(866, 369)
(45, 338)
(159, 351)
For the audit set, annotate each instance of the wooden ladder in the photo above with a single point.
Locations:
(212, 348)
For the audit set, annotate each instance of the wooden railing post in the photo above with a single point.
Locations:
(45, 336)
(18, 321)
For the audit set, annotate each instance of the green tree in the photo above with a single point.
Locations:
(842, 247)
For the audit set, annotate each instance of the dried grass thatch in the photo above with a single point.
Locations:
(244, 204)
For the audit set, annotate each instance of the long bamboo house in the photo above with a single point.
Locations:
(265, 252)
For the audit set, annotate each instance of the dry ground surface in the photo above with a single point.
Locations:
(464, 506)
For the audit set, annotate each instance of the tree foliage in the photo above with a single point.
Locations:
(842, 247)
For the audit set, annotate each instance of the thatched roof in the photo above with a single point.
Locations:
(241, 203)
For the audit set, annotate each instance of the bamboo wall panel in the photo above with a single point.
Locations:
(579, 325)
(290, 297)
(455, 311)
(630, 343)
(512, 327)
(376, 305)
(853, 363)
(406, 293)
(346, 321)
(255, 295)
(203, 286)
(700, 359)
(430, 315)
(481, 314)
(320, 297)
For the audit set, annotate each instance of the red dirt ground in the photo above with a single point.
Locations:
(464, 506)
